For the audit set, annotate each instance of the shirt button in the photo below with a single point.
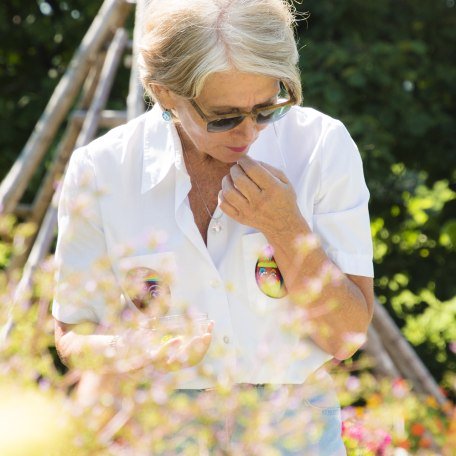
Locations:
(226, 339)
(215, 283)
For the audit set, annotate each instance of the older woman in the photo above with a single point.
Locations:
(229, 199)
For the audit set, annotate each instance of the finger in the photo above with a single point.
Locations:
(278, 173)
(192, 352)
(231, 194)
(226, 207)
(159, 357)
(210, 327)
(257, 173)
(243, 182)
(163, 351)
(198, 348)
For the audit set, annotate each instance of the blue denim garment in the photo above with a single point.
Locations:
(304, 423)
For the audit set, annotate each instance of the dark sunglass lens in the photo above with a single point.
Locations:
(224, 124)
(272, 115)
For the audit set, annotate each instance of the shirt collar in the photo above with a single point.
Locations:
(162, 149)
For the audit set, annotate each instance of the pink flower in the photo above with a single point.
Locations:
(400, 387)
(353, 383)
(452, 346)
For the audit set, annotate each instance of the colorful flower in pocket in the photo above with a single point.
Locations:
(144, 286)
(269, 278)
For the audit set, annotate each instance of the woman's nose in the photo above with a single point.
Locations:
(248, 129)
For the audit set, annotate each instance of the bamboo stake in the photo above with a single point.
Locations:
(405, 369)
(24, 211)
(44, 196)
(66, 146)
(46, 233)
(405, 358)
(135, 99)
(42, 201)
(384, 365)
(108, 118)
(90, 125)
(111, 13)
(392, 339)
(93, 78)
(39, 250)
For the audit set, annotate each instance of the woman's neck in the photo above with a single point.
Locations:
(198, 162)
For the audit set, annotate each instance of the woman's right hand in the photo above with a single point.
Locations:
(174, 354)
(134, 350)
(178, 353)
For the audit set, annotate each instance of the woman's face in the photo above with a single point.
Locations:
(225, 93)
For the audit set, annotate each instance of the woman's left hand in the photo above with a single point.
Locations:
(258, 195)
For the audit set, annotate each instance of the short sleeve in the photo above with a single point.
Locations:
(341, 216)
(84, 276)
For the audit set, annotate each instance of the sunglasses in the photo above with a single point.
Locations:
(261, 115)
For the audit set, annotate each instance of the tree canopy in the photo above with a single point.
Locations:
(385, 69)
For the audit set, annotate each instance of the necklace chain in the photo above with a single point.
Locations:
(200, 194)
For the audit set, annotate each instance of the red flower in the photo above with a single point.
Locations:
(417, 429)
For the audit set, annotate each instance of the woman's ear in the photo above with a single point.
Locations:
(163, 95)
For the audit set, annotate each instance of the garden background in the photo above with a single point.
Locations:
(385, 68)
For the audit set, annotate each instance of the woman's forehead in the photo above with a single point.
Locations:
(236, 89)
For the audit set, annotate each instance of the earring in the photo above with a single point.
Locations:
(166, 114)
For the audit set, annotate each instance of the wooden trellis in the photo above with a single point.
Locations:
(90, 75)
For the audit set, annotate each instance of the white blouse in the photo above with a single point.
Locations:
(125, 205)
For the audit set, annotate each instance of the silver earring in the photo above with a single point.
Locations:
(166, 114)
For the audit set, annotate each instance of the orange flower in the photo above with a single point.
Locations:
(359, 412)
(374, 401)
(425, 442)
(404, 444)
(417, 429)
(447, 407)
(440, 425)
(432, 402)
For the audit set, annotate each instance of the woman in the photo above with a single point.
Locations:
(235, 201)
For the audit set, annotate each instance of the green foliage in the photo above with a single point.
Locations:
(37, 40)
(385, 69)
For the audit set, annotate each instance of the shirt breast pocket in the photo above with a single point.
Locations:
(147, 282)
(264, 282)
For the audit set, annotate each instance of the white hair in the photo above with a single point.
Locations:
(185, 41)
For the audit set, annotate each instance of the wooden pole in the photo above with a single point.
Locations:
(44, 196)
(92, 80)
(405, 358)
(39, 251)
(90, 125)
(374, 347)
(108, 118)
(13, 186)
(42, 201)
(46, 233)
(67, 144)
(135, 99)
(23, 211)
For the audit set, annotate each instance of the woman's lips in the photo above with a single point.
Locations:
(238, 150)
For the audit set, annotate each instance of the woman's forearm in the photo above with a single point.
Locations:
(91, 351)
(339, 310)
(130, 350)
